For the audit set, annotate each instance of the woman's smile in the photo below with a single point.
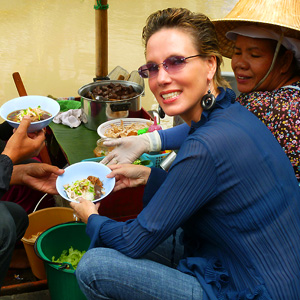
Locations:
(242, 79)
(170, 96)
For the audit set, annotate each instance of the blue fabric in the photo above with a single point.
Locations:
(172, 138)
(233, 191)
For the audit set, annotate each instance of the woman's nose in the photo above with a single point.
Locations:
(163, 76)
(241, 62)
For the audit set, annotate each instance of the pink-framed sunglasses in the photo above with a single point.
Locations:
(172, 65)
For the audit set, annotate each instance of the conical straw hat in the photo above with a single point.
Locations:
(278, 15)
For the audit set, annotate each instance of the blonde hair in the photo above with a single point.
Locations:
(200, 28)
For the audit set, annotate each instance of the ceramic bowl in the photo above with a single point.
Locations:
(47, 104)
(102, 129)
(82, 170)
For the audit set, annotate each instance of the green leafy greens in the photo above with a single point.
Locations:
(71, 256)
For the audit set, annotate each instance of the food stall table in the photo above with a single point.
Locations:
(77, 144)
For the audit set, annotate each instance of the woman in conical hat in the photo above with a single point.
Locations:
(268, 79)
(262, 38)
(275, 25)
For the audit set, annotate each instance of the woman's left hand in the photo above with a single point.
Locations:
(84, 208)
(129, 175)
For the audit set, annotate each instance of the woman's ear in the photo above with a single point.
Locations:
(286, 61)
(212, 67)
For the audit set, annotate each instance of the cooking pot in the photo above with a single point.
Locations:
(99, 110)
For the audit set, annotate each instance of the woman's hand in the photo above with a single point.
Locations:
(129, 175)
(38, 176)
(84, 208)
(127, 149)
(23, 145)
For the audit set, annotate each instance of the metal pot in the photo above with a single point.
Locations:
(99, 110)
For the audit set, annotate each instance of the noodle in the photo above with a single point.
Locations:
(36, 114)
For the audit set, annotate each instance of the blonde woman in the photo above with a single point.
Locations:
(263, 40)
(231, 189)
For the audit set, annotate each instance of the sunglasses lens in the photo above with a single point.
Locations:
(143, 71)
(174, 63)
(152, 69)
(148, 70)
(171, 64)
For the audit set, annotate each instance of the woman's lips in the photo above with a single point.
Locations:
(242, 79)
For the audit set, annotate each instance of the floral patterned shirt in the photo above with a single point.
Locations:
(279, 110)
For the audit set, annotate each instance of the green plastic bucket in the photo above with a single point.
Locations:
(61, 279)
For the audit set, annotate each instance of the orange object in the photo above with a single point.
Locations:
(39, 221)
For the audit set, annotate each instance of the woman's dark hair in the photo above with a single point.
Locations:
(200, 28)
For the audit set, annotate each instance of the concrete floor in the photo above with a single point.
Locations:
(25, 287)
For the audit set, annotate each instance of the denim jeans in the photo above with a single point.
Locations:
(105, 273)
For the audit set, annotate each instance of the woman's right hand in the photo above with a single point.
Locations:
(128, 175)
(127, 149)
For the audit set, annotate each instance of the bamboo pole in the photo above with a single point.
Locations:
(101, 32)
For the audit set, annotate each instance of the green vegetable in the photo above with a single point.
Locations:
(141, 162)
(73, 257)
(137, 162)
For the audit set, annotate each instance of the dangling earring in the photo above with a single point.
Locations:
(161, 112)
(208, 101)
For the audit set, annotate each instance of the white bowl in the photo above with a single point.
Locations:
(82, 170)
(24, 102)
(126, 121)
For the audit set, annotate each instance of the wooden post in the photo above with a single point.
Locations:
(101, 31)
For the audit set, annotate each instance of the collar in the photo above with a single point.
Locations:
(223, 100)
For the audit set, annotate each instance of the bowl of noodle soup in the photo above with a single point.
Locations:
(81, 171)
(41, 109)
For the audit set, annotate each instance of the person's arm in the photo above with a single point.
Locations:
(173, 138)
(128, 149)
(155, 180)
(190, 183)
